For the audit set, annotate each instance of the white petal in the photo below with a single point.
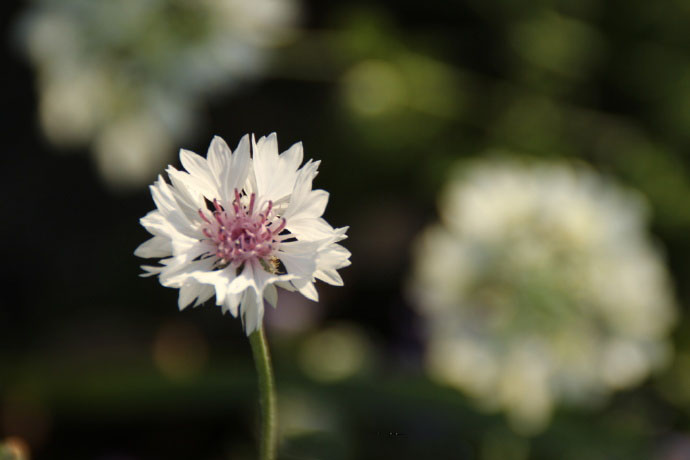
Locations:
(287, 285)
(150, 270)
(235, 173)
(293, 156)
(331, 277)
(232, 301)
(341, 233)
(163, 197)
(157, 246)
(275, 175)
(266, 165)
(218, 156)
(158, 225)
(186, 187)
(269, 145)
(329, 259)
(196, 187)
(188, 293)
(198, 168)
(219, 279)
(205, 293)
(187, 196)
(179, 270)
(299, 258)
(195, 164)
(243, 281)
(271, 295)
(169, 208)
(307, 289)
(252, 311)
(309, 206)
(299, 199)
(310, 229)
(334, 256)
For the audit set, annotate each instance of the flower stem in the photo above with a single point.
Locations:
(267, 395)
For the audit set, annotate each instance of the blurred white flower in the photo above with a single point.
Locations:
(540, 285)
(115, 63)
(238, 226)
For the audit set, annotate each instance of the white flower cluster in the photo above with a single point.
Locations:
(126, 77)
(540, 285)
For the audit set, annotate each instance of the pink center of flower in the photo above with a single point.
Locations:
(243, 232)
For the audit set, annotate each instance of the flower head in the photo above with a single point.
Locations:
(541, 286)
(236, 226)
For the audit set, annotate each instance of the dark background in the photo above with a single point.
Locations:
(79, 328)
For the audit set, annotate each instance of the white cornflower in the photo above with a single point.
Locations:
(541, 286)
(238, 226)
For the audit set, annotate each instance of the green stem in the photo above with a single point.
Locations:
(267, 396)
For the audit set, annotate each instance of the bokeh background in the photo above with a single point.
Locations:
(405, 104)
